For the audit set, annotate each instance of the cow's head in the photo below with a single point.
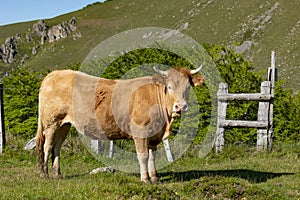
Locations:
(177, 82)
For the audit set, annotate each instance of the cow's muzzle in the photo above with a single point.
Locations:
(180, 107)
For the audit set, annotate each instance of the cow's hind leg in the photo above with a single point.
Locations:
(60, 136)
(151, 164)
(49, 134)
(141, 145)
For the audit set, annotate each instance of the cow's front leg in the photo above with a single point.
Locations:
(141, 145)
(151, 165)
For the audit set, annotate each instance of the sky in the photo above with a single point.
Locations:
(13, 11)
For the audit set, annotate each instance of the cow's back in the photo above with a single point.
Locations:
(100, 108)
(80, 99)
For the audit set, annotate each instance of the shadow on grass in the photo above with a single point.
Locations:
(76, 176)
(250, 175)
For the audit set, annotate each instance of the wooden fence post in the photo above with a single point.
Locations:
(168, 150)
(272, 77)
(2, 129)
(222, 106)
(111, 149)
(263, 115)
(96, 146)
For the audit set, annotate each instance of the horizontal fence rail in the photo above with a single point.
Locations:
(241, 123)
(246, 97)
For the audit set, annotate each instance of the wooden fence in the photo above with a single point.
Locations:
(96, 146)
(264, 123)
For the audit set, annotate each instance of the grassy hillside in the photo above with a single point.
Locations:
(263, 25)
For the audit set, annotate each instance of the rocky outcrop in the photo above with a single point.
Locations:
(61, 30)
(243, 47)
(18, 36)
(8, 50)
(28, 37)
(23, 59)
(40, 29)
(34, 50)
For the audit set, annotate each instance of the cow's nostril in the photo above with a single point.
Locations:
(185, 107)
(177, 108)
(180, 107)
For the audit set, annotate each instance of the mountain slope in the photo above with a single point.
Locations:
(256, 27)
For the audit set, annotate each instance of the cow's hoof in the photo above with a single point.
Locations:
(43, 175)
(59, 176)
(155, 180)
(146, 181)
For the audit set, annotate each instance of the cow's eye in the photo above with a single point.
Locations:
(169, 87)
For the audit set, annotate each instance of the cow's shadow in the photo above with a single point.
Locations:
(249, 175)
(246, 174)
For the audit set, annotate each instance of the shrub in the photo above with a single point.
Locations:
(286, 114)
(239, 74)
(21, 88)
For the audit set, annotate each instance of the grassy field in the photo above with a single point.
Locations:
(238, 173)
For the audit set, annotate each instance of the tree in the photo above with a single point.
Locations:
(21, 88)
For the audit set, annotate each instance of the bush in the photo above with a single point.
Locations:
(286, 115)
(21, 88)
(239, 74)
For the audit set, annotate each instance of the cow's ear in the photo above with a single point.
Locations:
(159, 79)
(196, 80)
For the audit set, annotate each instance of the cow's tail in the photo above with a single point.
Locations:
(40, 140)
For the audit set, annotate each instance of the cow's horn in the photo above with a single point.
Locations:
(160, 71)
(196, 70)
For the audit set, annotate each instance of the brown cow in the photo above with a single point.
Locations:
(141, 109)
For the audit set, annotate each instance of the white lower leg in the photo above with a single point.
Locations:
(143, 160)
(55, 166)
(47, 149)
(151, 166)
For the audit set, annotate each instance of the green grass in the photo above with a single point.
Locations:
(238, 173)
